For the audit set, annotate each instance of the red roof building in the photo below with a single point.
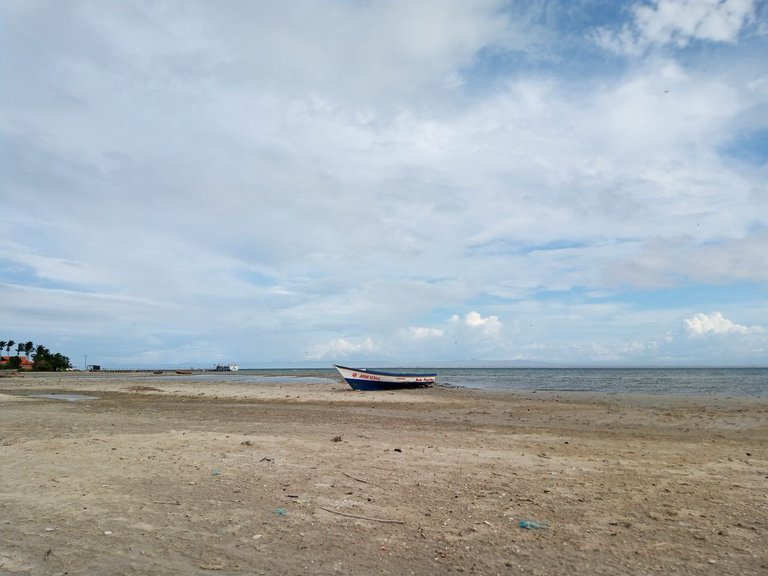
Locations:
(26, 363)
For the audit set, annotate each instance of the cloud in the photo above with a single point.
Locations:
(246, 179)
(716, 324)
(664, 262)
(421, 333)
(341, 348)
(677, 23)
(488, 326)
(669, 262)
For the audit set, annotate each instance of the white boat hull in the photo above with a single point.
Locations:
(364, 379)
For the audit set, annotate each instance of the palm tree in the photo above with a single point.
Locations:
(8, 346)
(19, 348)
(41, 351)
(28, 347)
(2, 346)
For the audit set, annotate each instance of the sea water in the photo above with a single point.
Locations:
(681, 381)
(741, 382)
(64, 397)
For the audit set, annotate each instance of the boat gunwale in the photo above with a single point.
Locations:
(395, 374)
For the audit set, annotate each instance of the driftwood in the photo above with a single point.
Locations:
(353, 478)
(362, 517)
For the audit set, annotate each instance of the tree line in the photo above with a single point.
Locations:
(42, 358)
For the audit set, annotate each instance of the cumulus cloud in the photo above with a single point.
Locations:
(488, 326)
(421, 333)
(678, 22)
(716, 324)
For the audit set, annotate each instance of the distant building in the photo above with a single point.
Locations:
(26, 363)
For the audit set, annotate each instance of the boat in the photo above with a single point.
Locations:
(366, 379)
(227, 368)
(183, 371)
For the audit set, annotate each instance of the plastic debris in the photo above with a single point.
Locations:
(531, 525)
(216, 472)
(281, 512)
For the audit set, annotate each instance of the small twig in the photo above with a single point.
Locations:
(174, 502)
(353, 478)
(361, 517)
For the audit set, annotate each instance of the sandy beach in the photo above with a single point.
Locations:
(172, 476)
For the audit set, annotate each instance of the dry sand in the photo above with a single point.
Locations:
(287, 478)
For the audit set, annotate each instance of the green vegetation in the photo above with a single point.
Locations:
(42, 358)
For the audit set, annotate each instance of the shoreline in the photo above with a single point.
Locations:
(721, 384)
(279, 386)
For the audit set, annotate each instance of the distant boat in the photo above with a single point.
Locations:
(365, 379)
(227, 367)
(183, 371)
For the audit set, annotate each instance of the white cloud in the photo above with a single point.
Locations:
(258, 176)
(421, 333)
(660, 262)
(716, 324)
(678, 22)
(340, 348)
(488, 326)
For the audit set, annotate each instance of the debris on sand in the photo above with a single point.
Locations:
(531, 525)
(142, 388)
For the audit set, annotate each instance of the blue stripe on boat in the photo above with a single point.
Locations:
(371, 385)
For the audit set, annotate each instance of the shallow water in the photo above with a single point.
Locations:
(65, 397)
(678, 381)
(736, 382)
(740, 382)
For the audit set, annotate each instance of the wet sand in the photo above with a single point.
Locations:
(173, 476)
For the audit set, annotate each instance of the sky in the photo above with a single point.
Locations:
(389, 183)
